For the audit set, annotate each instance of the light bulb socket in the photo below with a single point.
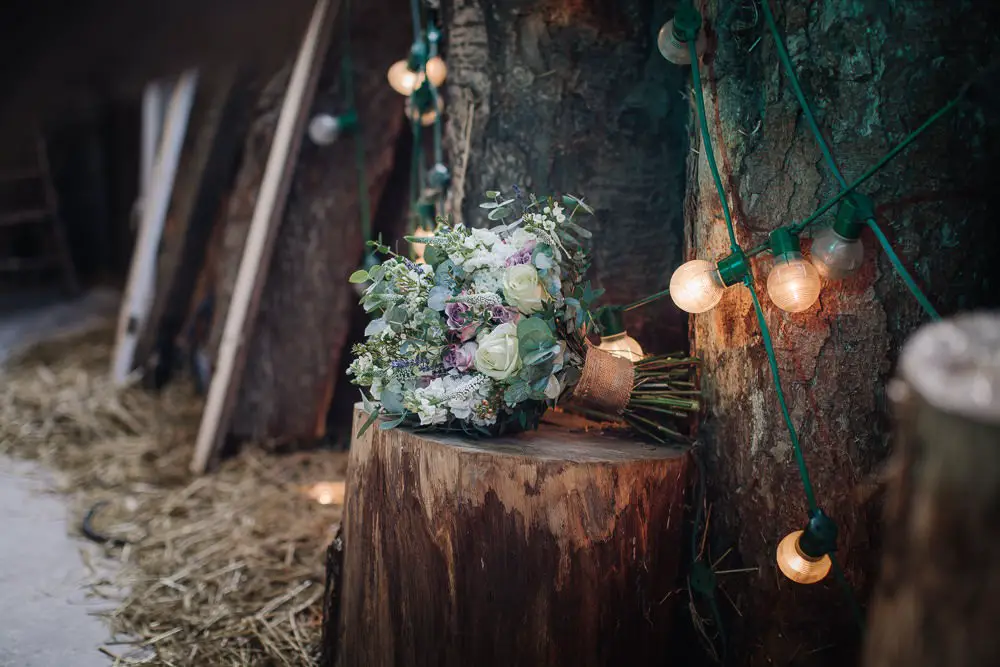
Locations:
(847, 224)
(819, 537)
(348, 120)
(418, 57)
(687, 22)
(610, 320)
(426, 211)
(433, 36)
(422, 98)
(783, 242)
(733, 268)
(439, 176)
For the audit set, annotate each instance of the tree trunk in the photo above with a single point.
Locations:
(571, 96)
(868, 90)
(304, 315)
(553, 548)
(938, 597)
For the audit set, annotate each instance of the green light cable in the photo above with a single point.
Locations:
(874, 169)
(825, 149)
(434, 35)
(838, 572)
(347, 67)
(416, 159)
(772, 360)
(803, 470)
(902, 272)
(797, 88)
(415, 17)
(706, 141)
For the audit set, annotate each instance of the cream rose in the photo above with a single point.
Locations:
(522, 289)
(497, 355)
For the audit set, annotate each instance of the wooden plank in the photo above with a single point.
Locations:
(198, 195)
(142, 274)
(263, 230)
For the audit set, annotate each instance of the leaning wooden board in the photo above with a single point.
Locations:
(555, 547)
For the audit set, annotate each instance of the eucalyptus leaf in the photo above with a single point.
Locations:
(498, 213)
(392, 402)
(359, 276)
(516, 393)
(489, 205)
(368, 422)
(385, 426)
(434, 256)
(492, 194)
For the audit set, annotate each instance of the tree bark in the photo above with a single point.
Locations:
(868, 91)
(571, 96)
(304, 316)
(554, 548)
(938, 596)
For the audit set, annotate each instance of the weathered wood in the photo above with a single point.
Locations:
(834, 358)
(268, 210)
(139, 290)
(307, 303)
(547, 549)
(572, 96)
(937, 600)
(205, 173)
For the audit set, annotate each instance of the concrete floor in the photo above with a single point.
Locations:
(45, 616)
(44, 613)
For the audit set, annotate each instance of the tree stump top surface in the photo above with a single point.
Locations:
(955, 365)
(559, 437)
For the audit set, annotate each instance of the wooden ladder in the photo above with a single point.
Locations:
(54, 251)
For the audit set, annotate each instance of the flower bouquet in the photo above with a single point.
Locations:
(492, 330)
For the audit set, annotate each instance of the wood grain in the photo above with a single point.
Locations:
(550, 548)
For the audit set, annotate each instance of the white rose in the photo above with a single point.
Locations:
(522, 289)
(497, 355)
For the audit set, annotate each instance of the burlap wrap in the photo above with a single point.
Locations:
(606, 382)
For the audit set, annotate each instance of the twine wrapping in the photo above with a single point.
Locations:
(605, 384)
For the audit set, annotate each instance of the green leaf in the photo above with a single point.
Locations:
(498, 213)
(434, 256)
(492, 194)
(371, 420)
(522, 419)
(385, 426)
(489, 205)
(533, 334)
(580, 231)
(540, 355)
(359, 276)
(516, 393)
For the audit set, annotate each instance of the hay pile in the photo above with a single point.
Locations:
(222, 570)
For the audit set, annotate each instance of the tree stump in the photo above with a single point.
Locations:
(549, 548)
(938, 599)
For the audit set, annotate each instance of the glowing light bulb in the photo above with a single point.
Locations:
(696, 286)
(796, 565)
(418, 248)
(622, 345)
(327, 493)
(405, 80)
(836, 256)
(793, 283)
(425, 116)
(324, 129)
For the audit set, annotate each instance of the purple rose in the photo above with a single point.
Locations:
(522, 256)
(455, 313)
(460, 357)
(500, 314)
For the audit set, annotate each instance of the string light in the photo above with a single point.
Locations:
(837, 251)
(324, 128)
(614, 337)
(804, 555)
(424, 106)
(793, 283)
(697, 286)
(406, 76)
(677, 32)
